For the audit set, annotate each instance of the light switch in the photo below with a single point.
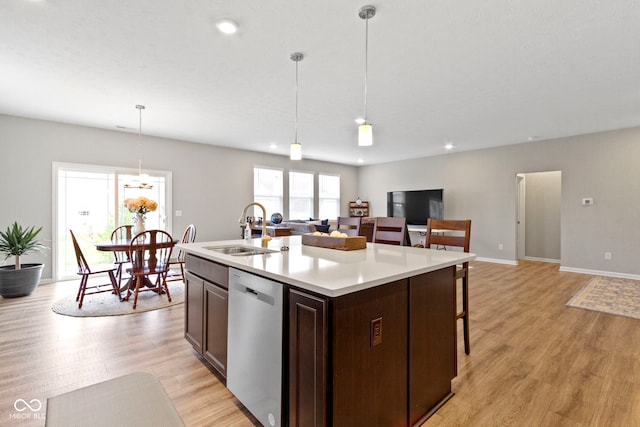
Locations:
(178, 213)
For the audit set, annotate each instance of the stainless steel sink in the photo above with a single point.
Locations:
(238, 250)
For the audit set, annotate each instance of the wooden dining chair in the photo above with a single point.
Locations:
(366, 228)
(349, 225)
(120, 234)
(85, 271)
(454, 233)
(189, 236)
(150, 252)
(392, 231)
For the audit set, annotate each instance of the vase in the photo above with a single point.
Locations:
(19, 283)
(138, 224)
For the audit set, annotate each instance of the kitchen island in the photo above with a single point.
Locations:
(368, 337)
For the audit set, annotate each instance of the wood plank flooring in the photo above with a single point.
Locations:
(533, 362)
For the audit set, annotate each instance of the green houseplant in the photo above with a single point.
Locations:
(19, 279)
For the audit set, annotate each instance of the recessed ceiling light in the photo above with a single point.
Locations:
(273, 146)
(360, 121)
(360, 161)
(448, 146)
(532, 138)
(227, 26)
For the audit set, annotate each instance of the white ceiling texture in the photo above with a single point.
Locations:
(474, 73)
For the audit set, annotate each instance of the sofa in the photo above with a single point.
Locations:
(302, 226)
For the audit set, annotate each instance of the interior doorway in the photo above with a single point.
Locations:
(538, 231)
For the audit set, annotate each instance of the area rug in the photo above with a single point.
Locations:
(609, 295)
(106, 304)
(136, 399)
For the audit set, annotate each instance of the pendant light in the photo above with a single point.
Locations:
(296, 148)
(142, 183)
(365, 130)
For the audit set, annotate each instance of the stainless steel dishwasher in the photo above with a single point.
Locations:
(254, 345)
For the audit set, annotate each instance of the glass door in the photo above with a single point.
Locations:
(90, 201)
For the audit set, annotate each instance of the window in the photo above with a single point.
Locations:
(267, 190)
(90, 201)
(300, 195)
(329, 196)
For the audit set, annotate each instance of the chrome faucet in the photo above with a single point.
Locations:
(265, 238)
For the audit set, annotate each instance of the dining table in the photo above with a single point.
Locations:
(124, 245)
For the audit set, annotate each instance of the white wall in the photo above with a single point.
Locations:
(481, 185)
(211, 184)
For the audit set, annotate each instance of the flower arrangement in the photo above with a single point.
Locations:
(141, 205)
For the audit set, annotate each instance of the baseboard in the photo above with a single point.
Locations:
(600, 273)
(532, 258)
(497, 261)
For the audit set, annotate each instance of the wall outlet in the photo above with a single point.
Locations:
(376, 331)
(608, 256)
(500, 246)
(587, 201)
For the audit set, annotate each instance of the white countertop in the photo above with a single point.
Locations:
(331, 272)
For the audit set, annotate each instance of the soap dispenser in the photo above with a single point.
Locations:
(247, 230)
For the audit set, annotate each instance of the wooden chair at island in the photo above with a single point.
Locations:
(85, 271)
(189, 236)
(392, 231)
(121, 234)
(349, 225)
(150, 252)
(366, 228)
(454, 233)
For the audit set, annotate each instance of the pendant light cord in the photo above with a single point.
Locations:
(295, 139)
(140, 108)
(366, 64)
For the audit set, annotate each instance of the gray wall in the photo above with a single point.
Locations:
(543, 199)
(481, 185)
(211, 184)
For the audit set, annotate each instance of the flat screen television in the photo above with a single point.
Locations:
(415, 205)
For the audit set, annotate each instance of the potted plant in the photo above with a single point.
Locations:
(20, 279)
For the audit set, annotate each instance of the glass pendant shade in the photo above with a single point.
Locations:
(296, 151)
(365, 135)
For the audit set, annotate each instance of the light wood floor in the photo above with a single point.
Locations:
(533, 362)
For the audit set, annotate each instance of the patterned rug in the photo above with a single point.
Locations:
(609, 295)
(107, 304)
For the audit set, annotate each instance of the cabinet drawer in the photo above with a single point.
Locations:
(209, 270)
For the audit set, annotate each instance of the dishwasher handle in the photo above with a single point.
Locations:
(259, 296)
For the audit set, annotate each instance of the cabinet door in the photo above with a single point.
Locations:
(194, 310)
(307, 360)
(432, 354)
(215, 344)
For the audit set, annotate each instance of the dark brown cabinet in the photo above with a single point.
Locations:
(215, 331)
(307, 360)
(380, 356)
(194, 310)
(206, 309)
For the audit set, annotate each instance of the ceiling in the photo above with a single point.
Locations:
(473, 73)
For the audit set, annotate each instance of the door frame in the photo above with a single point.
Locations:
(520, 216)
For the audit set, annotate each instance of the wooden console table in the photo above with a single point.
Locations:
(256, 231)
